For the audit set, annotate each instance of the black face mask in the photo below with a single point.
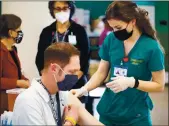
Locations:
(123, 34)
(19, 37)
(68, 82)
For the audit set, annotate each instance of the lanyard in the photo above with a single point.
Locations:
(57, 36)
(56, 112)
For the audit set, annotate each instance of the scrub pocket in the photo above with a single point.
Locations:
(105, 102)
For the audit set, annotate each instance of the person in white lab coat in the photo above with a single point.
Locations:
(43, 103)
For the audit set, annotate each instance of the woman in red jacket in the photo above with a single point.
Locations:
(10, 67)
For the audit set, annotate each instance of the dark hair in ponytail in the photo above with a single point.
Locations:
(126, 11)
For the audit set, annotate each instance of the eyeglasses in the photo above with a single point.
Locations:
(59, 9)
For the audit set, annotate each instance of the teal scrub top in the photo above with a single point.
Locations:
(131, 105)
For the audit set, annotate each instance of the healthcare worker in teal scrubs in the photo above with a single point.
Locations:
(135, 59)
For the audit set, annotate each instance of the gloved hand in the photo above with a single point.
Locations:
(79, 92)
(121, 83)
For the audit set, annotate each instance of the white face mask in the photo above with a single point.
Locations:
(62, 16)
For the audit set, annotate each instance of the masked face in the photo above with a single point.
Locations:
(62, 16)
(123, 34)
(61, 11)
(121, 30)
(68, 82)
(16, 35)
(19, 37)
(68, 78)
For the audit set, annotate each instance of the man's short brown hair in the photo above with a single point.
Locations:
(59, 53)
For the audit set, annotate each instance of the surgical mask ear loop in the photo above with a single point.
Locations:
(55, 78)
(62, 69)
(56, 81)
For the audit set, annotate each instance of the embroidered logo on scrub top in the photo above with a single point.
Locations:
(136, 61)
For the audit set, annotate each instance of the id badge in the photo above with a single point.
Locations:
(72, 39)
(120, 71)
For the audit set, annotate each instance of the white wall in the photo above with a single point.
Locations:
(151, 13)
(35, 16)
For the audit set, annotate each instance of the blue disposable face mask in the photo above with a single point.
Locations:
(69, 81)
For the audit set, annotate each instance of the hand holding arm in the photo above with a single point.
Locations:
(94, 82)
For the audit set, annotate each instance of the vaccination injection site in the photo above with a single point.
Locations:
(84, 63)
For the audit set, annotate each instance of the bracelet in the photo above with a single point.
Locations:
(71, 120)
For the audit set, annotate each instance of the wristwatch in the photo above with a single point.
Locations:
(136, 83)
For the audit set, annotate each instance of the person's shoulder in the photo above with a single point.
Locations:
(149, 39)
(77, 26)
(50, 27)
(4, 52)
(27, 97)
(24, 96)
(26, 104)
(110, 35)
(150, 43)
(110, 39)
(3, 47)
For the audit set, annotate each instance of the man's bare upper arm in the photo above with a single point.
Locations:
(72, 100)
(85, 118)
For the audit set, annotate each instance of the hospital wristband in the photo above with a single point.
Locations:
(71, 120)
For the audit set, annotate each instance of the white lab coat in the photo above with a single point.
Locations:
(33, 107)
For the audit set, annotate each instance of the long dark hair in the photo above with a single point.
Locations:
(126, 11)
(8, 22)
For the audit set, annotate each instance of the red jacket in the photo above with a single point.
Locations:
(8, 74)
(8, 69)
